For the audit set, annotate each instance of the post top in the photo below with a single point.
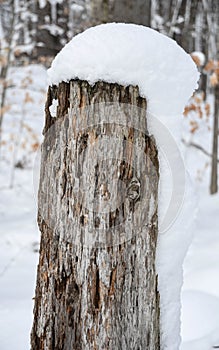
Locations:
(130, 54)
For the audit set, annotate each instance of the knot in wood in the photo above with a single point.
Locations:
(133, 189)
(104, 192)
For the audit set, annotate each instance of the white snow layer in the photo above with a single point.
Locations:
(130, 54)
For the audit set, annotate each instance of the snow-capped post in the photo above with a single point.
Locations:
(98, 194)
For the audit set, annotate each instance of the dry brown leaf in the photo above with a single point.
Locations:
(200, 113)
(28, 98)
(189, 108)
(35, 146)
(193, 122)
(17, 52)
(193, 130)
(207, 109)
(210, 65)
(214, 79)
(27, 127)
(198, 98)
(196, 60)
(4, 109)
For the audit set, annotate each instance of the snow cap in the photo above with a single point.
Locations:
(130, 54)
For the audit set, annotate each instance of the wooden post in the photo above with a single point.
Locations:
(96, 281)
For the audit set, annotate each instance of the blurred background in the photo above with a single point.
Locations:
(31, 33)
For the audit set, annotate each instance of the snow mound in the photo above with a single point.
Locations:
(130, 54)
(200, 319)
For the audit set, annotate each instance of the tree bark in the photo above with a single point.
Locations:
(96, 281)
(138, 12)
(214, 163)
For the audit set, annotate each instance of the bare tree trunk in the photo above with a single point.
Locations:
(138, 12)
(6, 65)
(96, 282)
(214, 166)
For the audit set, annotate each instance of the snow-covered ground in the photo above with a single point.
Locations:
(200, 294)
(19, 236)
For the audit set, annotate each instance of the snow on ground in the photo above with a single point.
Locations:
(19, 236)
(200, 294)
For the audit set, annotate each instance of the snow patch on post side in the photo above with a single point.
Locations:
(166, 75)
(53, 108)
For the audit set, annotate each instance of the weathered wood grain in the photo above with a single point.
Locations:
(96, 281)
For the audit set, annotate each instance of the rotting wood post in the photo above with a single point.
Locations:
(97, 213)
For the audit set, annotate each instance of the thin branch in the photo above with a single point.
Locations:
(16, 146)
(174, 18)
(211, 27)
(200, 148)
